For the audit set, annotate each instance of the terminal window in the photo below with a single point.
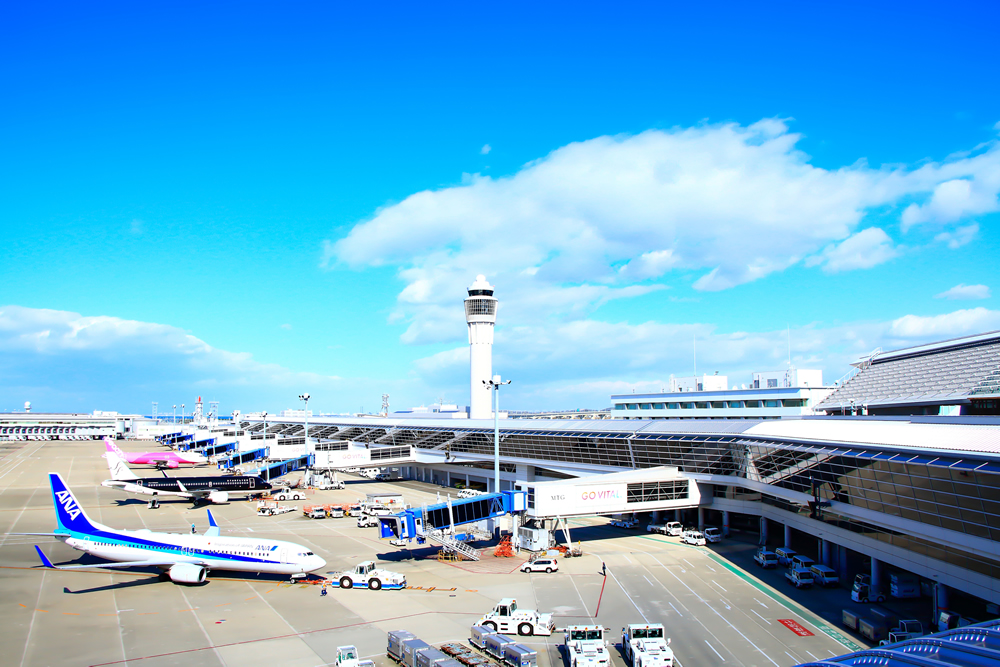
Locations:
(646, 492)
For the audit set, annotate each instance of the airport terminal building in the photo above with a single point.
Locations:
(870, 494)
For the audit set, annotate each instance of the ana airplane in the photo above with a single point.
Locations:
(187, 558)
(213, 489)
(158, 459)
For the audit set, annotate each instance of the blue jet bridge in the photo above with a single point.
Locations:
(411, 523)
(175, 438)
(239, 458)
(279, 468)
(215, 450)
(188, 445)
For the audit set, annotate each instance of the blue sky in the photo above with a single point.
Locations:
(247, 201)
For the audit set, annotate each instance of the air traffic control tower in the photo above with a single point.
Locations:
(481, 314)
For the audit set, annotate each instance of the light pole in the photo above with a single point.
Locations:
(495, 385)
(264, 418)
(182, 413)
(175, 414)
(305, 398)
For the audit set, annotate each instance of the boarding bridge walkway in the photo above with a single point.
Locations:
(215, 450)
(239, 458)
(277, 469)
(422, 522)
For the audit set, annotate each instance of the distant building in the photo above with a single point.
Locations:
(295, 413)
(434, 411)
(950, 378)
(770, 395)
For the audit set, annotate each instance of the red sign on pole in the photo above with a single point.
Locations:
(795, 627)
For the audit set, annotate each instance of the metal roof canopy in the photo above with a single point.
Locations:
(972, 646)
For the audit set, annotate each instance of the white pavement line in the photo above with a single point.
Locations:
(688, 563)
(647, 579)
(118, 619)
(812, 656)
(686, 586)
(719, 585)
(629, 597)
(194, 613)
(710, 567)
(760, 603)
(794, 659)
(572, 580)
(31, 625)
(4, 540)
(11, 469)
(675, 608)
(742, 635)
(715, 652)
(761, 617)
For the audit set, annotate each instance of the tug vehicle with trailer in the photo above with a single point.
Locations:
(368, 575)
(506, 617)
(645, 645)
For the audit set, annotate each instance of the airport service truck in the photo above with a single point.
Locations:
(586, 647)
(347, 656)
(644, 645)
(506, 617)
(369, 575)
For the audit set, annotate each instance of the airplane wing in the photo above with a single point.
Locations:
(135, 563)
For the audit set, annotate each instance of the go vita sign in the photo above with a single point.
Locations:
(580, 498)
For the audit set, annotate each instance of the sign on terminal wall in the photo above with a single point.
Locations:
(579, 498)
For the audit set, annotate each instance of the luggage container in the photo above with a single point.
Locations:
(449, 662)
(478, 635)
(430, 657)
(495, 645)
(394, 649)
(411, 647)
(850, 619)
(872, 629)
(883, 617)
(519, 655)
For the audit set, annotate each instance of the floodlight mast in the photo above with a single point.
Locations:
(495, 385)
(305, 414)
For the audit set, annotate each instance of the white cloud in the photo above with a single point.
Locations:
(869, 247)
(965, 292)
(959, 237)
(485, 149)
(286, 327)
(722, 205)
(958, 323)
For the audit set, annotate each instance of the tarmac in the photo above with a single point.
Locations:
(717, 607)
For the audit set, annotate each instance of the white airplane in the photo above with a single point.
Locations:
(187, 558)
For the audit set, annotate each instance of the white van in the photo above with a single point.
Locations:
(713, 534)
(802, 561)
(785, 555)
(824, 575)
(693, 537)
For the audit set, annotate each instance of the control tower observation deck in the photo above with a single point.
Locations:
(481, 315)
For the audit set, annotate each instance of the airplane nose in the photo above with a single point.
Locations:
(316, 563)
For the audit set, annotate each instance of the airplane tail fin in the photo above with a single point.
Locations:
(112, 448)
(69, 513)
(213, 528)
(119, 471)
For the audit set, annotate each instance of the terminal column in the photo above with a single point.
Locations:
(825, 551)
(701, 518)
(725, 523)
(763, 531)
(876, 573)
(940, 604)
(788, 536)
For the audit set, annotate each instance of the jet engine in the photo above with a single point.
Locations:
(187, 573)
(218, 497)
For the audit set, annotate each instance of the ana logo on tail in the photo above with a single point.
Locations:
(69, 504)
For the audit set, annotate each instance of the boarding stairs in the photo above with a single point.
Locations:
(451, 544)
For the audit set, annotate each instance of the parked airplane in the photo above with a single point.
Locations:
(158, 459)
(213, 489)
(187, 558)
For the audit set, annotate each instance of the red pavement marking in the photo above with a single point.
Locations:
(795, 627)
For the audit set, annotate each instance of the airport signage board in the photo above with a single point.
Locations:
(579, 498)
(345, 458)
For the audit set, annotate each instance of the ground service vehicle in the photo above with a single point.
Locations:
(367, 522)
(675, 528)
(625, 523)
(317, 513)
(802, 561)
(368, 575)
(694, 537)
(712, 534)
(785, 556)
(909, 629)
(660, 528)
(800, 577)
(585, 646)
(506, 617)
(766, 559)
(265, 508)
(644, 645)
(863, 592)
(347, 656)
(904, 586)
(285, 493)
(825, 575)
(541, 565)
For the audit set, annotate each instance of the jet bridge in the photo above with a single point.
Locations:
(277, 469)
(417, 522)
(240, 458)
(215, 450)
